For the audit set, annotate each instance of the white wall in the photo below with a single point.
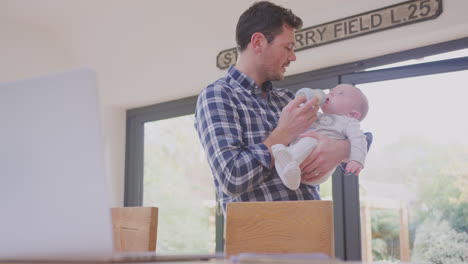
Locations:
(29, 50)
(146, 52)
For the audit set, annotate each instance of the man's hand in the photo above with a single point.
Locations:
(294, 120)
(353, 167)
(326, 156)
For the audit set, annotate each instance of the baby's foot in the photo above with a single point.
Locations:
(282, 155)
(291, 175)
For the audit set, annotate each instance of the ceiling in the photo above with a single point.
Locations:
(144, 52)
(150, 51)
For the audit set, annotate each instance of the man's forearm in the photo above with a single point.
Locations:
(325, 156)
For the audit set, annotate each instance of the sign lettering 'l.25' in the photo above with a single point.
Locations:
(373, 21)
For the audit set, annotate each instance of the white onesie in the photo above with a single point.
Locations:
(288, 159)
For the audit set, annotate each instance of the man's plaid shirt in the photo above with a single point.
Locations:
(232, 120)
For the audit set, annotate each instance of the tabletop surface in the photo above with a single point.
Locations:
(215, 261)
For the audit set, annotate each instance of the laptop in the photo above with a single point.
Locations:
(54, 198)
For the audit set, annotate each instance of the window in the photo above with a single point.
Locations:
(178, 181)
(414, 189)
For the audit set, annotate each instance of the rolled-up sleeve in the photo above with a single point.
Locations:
(238, 167)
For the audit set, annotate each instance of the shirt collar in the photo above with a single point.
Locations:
(247, 82)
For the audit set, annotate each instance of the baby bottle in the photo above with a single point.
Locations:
(311, 93)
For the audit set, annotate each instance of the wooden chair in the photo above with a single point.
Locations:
(135, 228)
(280, 227)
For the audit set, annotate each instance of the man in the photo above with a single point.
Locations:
(240, 116)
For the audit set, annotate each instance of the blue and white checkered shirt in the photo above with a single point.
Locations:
(232, 120)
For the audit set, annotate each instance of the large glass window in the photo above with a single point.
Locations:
(178, 181)
(414, 189)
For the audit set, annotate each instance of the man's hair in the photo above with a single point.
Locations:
(266, 18)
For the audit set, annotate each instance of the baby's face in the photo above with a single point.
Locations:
(342, 100)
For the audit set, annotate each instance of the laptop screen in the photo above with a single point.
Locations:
(53, 191)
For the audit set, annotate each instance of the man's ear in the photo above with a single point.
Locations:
(258, 41)
(355, 115)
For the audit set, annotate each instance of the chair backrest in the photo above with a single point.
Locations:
(135, 228)
(280, 227)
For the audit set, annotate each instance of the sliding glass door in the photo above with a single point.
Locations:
(414, 189)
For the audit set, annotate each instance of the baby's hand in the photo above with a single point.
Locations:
(353, 167)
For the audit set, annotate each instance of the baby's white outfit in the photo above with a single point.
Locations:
(288, 158)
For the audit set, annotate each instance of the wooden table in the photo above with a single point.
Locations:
(214, 261)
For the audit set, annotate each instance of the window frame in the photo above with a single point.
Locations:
(345, 189)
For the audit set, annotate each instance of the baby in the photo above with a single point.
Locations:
(342, 109)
